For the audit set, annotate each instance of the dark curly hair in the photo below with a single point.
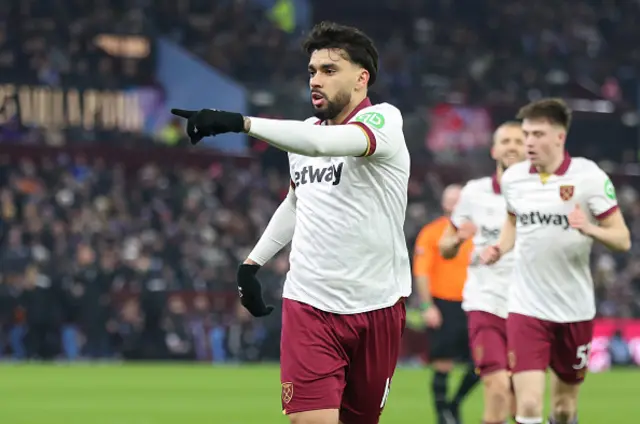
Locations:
(358, 46)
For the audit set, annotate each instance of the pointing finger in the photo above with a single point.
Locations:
(183, 113)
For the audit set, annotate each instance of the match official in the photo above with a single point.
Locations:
(439, 283)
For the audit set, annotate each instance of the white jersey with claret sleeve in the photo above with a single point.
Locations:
(552, 276)
(348, 253)
(487, 287)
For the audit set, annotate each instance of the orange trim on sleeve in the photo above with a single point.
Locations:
(446, 276)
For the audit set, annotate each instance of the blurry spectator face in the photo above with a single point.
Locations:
(544, 141)
(333, 80)
(31, 276)
(86, 255)
(131, 311)
(201, 303)
(508, 146)
(177, 306)
(108, 261)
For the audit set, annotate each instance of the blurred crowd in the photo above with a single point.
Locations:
(99, 259)
(58, 42)
(462, 50)
(142, 262)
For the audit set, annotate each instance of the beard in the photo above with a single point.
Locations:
(333, 107)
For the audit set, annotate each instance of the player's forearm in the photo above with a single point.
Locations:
(449, 246)
(278, 233)
(507, 240)
(310, 140)
(614, 238)
(422, 287)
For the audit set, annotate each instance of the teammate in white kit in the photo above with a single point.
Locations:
(557, 206)
(480, 213)
(343, 308)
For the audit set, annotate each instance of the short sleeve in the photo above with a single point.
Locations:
(601, 195)
(383, 128)
(463, 210)
(506, 194)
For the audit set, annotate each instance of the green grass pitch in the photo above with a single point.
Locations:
(197, 394)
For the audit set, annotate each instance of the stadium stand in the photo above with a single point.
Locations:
(136, 257)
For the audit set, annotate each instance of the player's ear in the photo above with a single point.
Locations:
(363, 79)
(493, 153)
(562, 135)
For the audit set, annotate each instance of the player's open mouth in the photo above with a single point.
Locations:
(317, 99)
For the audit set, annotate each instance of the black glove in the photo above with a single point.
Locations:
(207, 122)
(251, 291)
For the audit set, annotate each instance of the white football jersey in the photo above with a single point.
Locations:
(487, 287)
(348, 253)
(552, 277)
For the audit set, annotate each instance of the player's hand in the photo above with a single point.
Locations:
(250, 290)
(209, 122)
(490, 255)
(578, 220)
(467, 230)
(432, 317)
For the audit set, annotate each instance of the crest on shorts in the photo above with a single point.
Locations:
(287, 392)
(512, 359)
(566, 192)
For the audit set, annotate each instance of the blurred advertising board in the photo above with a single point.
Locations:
(124, 110)
(615, 342)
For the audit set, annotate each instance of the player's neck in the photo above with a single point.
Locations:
(499, 172)
(348, 110)
(552, 166)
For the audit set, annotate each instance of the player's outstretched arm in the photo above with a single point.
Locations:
(460, 227)
(453, 237)
(279, 232)
(611, 230)
(506, 242)
(602, 203)
(353, 139)
(310, 140)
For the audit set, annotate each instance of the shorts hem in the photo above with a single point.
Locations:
(288, 411)
(484, 371)
(519, 370)
(571, 380)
